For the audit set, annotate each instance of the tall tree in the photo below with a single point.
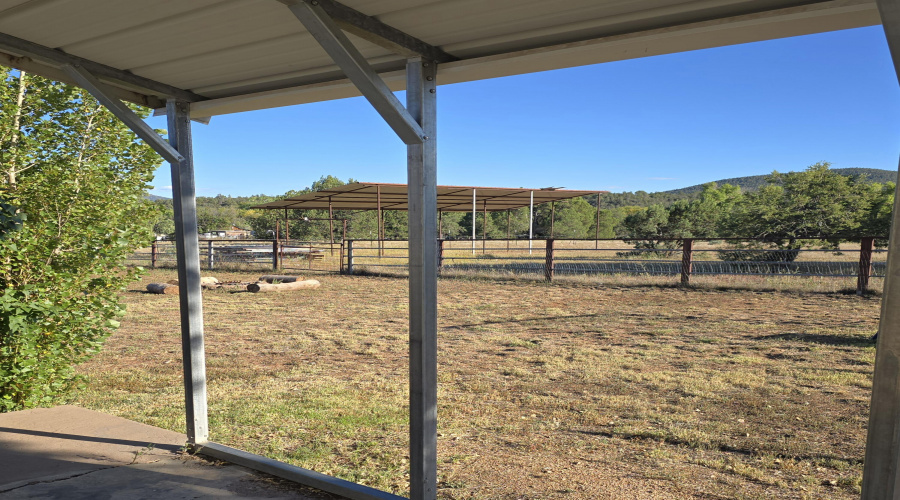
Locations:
(79, 178)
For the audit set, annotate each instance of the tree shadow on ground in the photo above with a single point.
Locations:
(815, 338)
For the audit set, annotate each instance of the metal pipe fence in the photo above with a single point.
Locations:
(852, 258)
(292, 255)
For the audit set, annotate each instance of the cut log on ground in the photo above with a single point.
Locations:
(164, 288)
(204, 281)
(271, 278)
(262, 286)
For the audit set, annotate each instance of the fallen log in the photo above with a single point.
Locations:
(262, 286)
(204, 281)
(163, 288)
(270, 278)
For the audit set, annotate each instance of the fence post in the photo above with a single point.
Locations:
(687, 255)
(440, 255)
(865, 265)
(548, 261)
(153, 251)
(275, 254)
(210, 257)
(350, 257)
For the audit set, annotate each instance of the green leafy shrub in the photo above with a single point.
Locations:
(74, 208)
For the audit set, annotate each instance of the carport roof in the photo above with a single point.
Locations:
(228, 56)
(365, 196)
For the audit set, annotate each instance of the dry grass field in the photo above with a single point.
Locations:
(567, 390)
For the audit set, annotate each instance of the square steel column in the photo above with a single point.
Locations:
(423, 255)
(187, 248)
(881, 475)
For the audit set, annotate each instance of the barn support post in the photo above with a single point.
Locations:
(187, 248)
(474, 217)
(484, 229)
(881, 474)
(380, 221)
(597, 227)
(331, 225)
(530, 221)
(508, 223)
(866, 246)
(423, 260)
(350, 257)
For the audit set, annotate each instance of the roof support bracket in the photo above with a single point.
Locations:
(101, 92)
(324, 29)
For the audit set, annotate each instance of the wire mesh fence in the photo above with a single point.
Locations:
(858, 259)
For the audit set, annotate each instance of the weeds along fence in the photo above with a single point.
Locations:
(289, 256)
(856, 259)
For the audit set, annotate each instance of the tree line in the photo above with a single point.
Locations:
(789, 207)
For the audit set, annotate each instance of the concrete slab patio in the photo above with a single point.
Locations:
(73, 453)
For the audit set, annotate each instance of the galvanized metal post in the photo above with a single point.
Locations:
(331, 224)
(881, 474)
(380, 221)
(484, 229)
(597, 227)
(530, 221)
(187, 248)
(350, 257)
(508, 221)
(687, 255)
(474, 217)
(865, 265)
(210, 258)
(423, 260)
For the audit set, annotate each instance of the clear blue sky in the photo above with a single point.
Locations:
(646, 124)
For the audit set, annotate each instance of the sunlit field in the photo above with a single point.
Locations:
(586, 388)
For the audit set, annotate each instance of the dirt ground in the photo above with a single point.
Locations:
(565, 390)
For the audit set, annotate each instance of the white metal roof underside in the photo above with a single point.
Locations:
(239, 55)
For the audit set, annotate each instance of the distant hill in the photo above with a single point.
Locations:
(750, 183)
(754, 182)
(153, 197)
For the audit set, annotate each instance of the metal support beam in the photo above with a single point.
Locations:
(58, 58)
(474, 217)
(881, 475)
(319, 481)
(371, 29)
(423, 261)
(187, 248)
(530, 220)
(323, 28)
(100, 92)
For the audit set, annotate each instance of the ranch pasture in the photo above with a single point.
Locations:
(737, 387)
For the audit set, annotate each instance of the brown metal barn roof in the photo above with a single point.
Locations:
(365, 196)
(228, 56)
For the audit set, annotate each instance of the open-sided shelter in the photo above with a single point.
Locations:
(202, 58)
(381, 196)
